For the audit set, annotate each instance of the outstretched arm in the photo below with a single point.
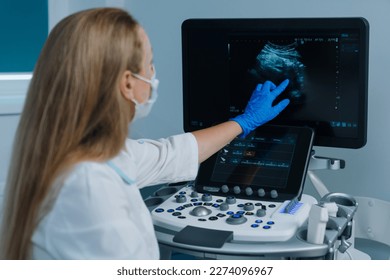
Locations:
(258, 111)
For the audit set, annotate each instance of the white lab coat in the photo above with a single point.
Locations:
(97, 215)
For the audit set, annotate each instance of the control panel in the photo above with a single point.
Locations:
(248, 220)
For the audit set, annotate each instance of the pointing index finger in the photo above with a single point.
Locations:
(280, 88)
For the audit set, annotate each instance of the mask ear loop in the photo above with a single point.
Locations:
(142, 78)
(152, 81)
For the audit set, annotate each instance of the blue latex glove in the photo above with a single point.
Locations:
(259, 109)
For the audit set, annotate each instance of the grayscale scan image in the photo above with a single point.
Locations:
(281, 61)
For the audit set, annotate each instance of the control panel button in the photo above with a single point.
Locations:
(248, 191)
(224, 206)
(225, 189)
(207, 197)
(181, 198)
(249, 206)
(261, 192)
(274, 194)
(261, 212)
(237, 190)
(194, 194)
(230, 200)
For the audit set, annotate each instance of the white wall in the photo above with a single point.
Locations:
(367, 168)
(59, 9)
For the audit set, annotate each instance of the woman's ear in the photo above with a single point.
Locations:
(126, 85)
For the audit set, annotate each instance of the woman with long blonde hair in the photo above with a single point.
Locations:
(72, 190)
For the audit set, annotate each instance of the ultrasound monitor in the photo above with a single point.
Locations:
(325, 59)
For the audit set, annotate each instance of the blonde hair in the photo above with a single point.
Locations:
(73, 111)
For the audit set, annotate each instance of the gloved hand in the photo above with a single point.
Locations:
(259, 109)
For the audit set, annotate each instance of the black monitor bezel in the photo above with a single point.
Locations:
(268, 24)
(295, 179)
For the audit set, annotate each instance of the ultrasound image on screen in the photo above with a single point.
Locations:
(276, 61)
(310, 64)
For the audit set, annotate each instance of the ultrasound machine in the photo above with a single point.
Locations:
(247, 201)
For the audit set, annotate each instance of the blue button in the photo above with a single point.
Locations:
(194, 200)
(236, 216)
(240, 205)
(270, 223)
(215, 205)
(159, 210)
(198, 203)
(266, 227)
(230, 212)
(170, 210)
(259, 221)
(180, 208)
(241, 212)
(254, 225)
(182, 192)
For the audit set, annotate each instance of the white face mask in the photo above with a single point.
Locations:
(143, 109)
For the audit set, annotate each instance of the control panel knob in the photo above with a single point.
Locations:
(236, 219)
(230, 200)
(181, 198)
(249, 206)
(261, 212)
(274, 194)
(236, 189)
(248, 191)
(194, 194)
(225, 189)
(261, 192)
(207, 197)
(224, 206)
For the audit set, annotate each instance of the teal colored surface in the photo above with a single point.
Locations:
(23, 31)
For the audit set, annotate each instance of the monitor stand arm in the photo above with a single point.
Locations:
(321, 163)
